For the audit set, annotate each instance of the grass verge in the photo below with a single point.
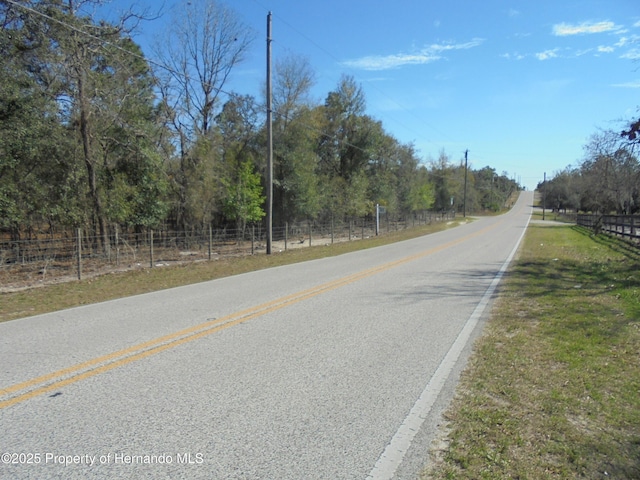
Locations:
(553, 387)
(116, 285)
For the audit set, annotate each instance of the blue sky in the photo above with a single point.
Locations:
(521, 84)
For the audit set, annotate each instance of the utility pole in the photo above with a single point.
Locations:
(269, 142)
(464, 206)
(544, 194)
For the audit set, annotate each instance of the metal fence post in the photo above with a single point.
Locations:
(286, 235)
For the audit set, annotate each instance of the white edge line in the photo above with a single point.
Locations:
(386, 466)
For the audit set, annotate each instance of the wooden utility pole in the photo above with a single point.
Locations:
(464, 206)
(269, 142)
(544, 194)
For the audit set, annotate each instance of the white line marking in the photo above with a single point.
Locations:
(386, 466)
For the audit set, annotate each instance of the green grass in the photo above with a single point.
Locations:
(116, 285)
(553, 387)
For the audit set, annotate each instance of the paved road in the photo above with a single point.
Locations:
(333, 369)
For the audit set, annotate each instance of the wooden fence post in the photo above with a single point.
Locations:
(151, 248)
(331, 229)
(117, 248)
(79, 244)
(210, 240)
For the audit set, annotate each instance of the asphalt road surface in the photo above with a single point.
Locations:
(337, 368)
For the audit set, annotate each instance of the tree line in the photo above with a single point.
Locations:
(96, 134)
(606, 180)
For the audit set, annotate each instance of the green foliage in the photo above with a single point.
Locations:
(90, 137)
(244, 199)
(421, 197)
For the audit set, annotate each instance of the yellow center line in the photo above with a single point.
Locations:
(56, 380)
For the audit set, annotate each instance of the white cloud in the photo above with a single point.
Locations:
(378, 62)
(512, 56)
(443, 47)
(631, 55)
(564, 29)
(513, 12)
(624, 41)
(635, 84)
(428, 54)
(580, 53)
(603, 49)
(547, 54)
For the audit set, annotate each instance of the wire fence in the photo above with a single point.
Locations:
(53, 257)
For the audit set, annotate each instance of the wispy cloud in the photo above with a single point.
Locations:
(630, 40)
(512, 56)
(378, 62)
(565, 29)
(428, 54)
(635, 84)
(547, 54)
(633, 54)
(603, 49)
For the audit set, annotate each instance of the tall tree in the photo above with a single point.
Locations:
(296, 130)
(244, 198)
(236, 168)
(610, 174)
(347, 143)
(197, 55)
(37, 180)
(292, 85)
(344, 142)
(102, 89)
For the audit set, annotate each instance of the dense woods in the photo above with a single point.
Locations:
(96, 134)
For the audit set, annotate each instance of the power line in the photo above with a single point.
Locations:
(111, 44)
(384, 94)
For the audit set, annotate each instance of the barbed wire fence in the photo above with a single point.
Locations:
(53, 257)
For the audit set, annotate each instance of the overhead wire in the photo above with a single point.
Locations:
(111, 44)
(381, 92)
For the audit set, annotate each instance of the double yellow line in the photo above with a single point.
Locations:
(53, 381)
